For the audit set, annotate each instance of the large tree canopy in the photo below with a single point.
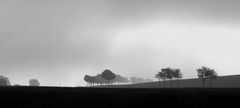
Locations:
(108, 75)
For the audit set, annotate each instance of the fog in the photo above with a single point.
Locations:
(59, 41)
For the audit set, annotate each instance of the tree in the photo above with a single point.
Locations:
(4, 81)
(34, 82)
(108, 75)
(120, 79)
(202, 74)
(17, 85)
(158, 76)
(148, 80)
(100, 80)
(135, 80)
(125, 80)
(212, 75)
(169, 74)
(162, 75)
(86, 79)
(90, 80)
(177, 74)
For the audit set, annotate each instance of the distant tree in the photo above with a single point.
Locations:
(108, 75)
(125, 80)
(211, 75)
(113, 81)
(16, 85)
(34, 82)
(178, 75)
(162, 76)
(159, 78)
(169, 74)
(90, 79)
(86, 79)
(4, 81)
(202, 74)
(135, 80)
(119, 79)
(100, 80)
(148, 80)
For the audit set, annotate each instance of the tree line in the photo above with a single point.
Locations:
(107, 77)
(4, 81)
(168, 73)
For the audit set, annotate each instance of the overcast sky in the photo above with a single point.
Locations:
(59, 41)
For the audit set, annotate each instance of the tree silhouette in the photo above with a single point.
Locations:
(16, 85)
(135, 80)
(34, 82)
(90, 79)
(4, 81)
(86, 79)
(177, 74)
(212, 75)
(100, 80)
(119, 79)
(158, 76)
(125, 80)
(162, 75)
(169, 74)
(202, 74)
(108, 75)
(148, 80)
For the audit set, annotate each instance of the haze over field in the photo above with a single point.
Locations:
(59, 41)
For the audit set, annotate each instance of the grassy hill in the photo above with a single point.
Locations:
(232, 81)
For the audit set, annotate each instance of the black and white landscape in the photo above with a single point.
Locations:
(119, 53)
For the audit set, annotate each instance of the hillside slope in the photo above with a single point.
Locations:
(232, 81)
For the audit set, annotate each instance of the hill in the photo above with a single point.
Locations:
(232, 81)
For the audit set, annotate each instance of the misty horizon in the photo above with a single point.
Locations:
(58, 41)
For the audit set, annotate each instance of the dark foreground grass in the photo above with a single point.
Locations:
(53, 97)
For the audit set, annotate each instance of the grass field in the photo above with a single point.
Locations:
(52, 97)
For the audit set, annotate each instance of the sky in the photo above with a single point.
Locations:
(60, 41)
